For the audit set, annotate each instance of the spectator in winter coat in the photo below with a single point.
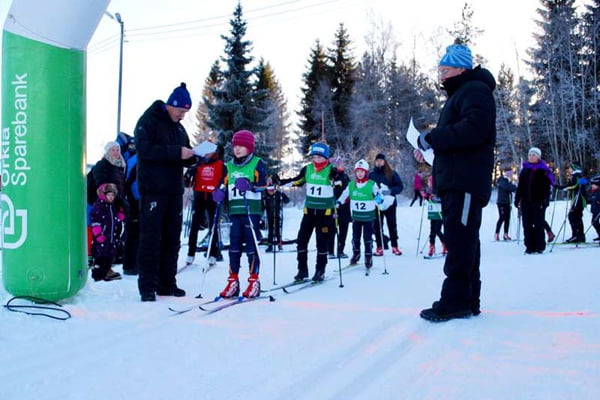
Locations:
(463, 143)
(106, 221)
(389, 183)
(163, 149)
(532, 198)
(418, 188)
(503, 201)
(205, 178)
(131, 237)
(111, 168)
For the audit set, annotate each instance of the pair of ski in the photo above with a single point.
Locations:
(297, 286)
(434, 256)
(223, 303)
(354, 267)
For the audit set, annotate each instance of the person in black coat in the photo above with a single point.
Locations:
(532, 199)
(463, 143)
(273, 200)
(163, 149)
(383, 174)
(504, 201)
(111, 168)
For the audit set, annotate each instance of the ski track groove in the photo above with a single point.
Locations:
(357, 358)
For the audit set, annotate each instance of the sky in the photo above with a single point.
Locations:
(171, 42)
(536, 339)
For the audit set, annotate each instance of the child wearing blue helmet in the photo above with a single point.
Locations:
(319, 176)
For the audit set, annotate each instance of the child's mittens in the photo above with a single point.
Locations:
(96, 230)
(101, 239)
(379, 199)
(218, 195)
(121, 216)
(243, 184)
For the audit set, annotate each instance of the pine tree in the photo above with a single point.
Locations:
(508, 147)
(343, 68)
(212, 81)
(276, 133)
(591, 62)
(314, 79)
(235, 100)
(557, 115)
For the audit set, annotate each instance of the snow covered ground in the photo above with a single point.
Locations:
(537, 338)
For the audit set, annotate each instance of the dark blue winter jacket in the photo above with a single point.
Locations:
(464, 138)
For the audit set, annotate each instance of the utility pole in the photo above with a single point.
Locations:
(117, 17)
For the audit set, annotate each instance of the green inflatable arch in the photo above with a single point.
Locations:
(43, 146)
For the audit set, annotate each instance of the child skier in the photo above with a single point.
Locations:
(319, 177)
(106, 222)
(244, 174)
(434, 214)
(363, 194)
(273, 201)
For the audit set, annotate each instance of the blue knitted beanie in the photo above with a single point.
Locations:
(180, 97)
(457, 56)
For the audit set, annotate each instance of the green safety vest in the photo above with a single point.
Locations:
(237, 204)
(434, 209)
(362, 202)
(319, 191)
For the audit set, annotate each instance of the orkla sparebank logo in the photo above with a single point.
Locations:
(14, 164)
(13, 223)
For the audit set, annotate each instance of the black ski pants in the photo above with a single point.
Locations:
(534, 222)
(160, 228)
(322, 224)
(203, 204)
(503, 217)
(461, 214)
(390, 216)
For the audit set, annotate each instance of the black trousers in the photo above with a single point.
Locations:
(131, 244)
(576, 221)
(274, 225)
(323, 225)
(343, 224)
(417, 195)
(503, 217)
(390, 216)
(203, 204)
(366, 229)
(534, 222)
(160, 228)
(462, 220)
(435, 229)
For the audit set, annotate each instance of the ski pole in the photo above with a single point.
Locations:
(208, 247)
(274, 236)
(379, 219)
(420, 227)
(562, 226)
(594, 220)
(337, 234)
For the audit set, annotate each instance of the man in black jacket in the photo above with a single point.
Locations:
(463, 144)
(163, 149)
